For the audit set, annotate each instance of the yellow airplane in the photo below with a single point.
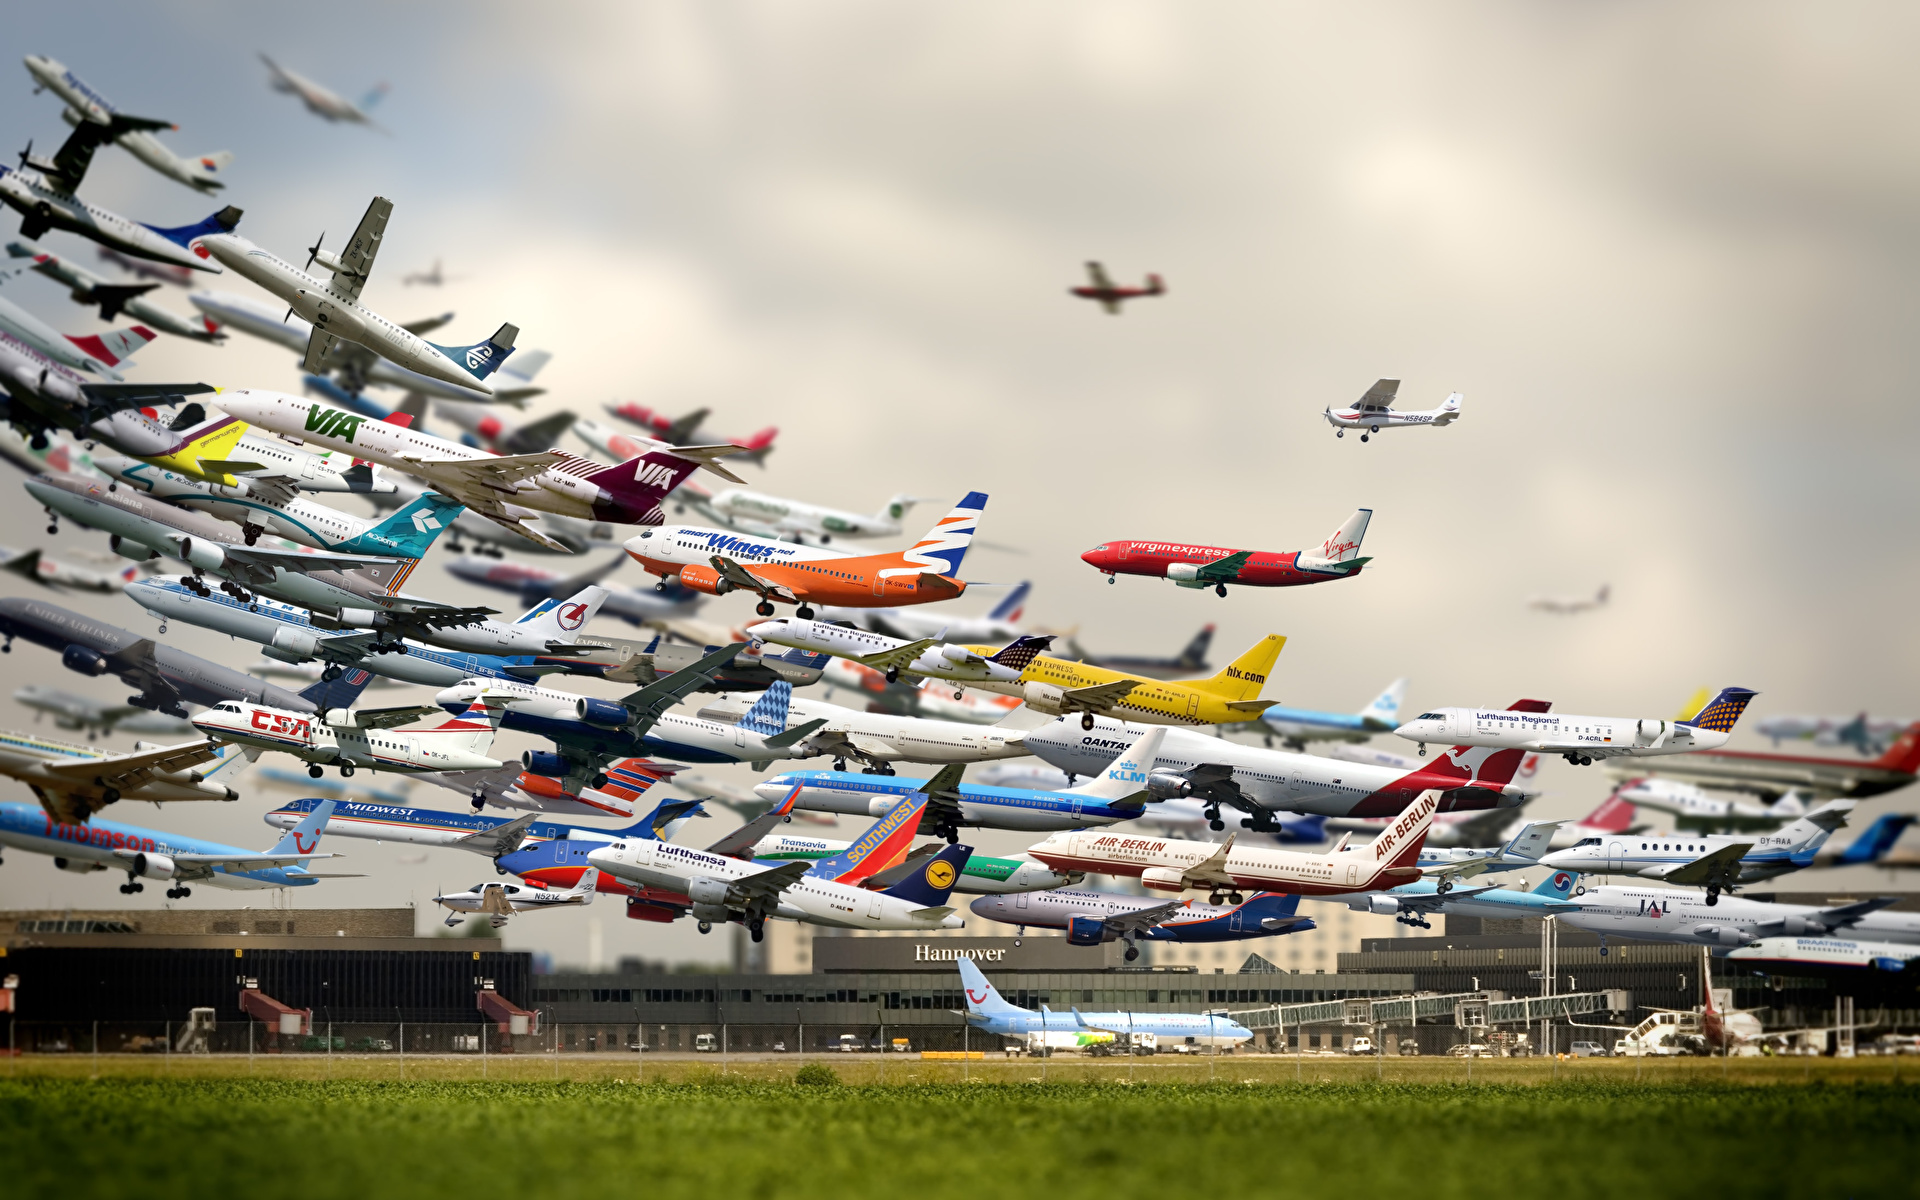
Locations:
(1057, 687)
(223, 449)
(205, 452)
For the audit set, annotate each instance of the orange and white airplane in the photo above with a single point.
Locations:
(718, 561)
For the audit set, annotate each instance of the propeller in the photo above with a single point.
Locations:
(313, 252)
(27, 153)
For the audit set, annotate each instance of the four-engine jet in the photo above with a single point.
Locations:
(1191, 566)
(1110, 294)
(1374, 412)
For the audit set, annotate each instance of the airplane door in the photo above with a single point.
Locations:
(1616, 856)
(879, 584)
(739, 737)
(1193, 705)
(1353, 872)
(1234, 920)
(1019, 899)
(873, 907)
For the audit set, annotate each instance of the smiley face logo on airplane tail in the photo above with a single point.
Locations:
(940, 874)
(571, 616)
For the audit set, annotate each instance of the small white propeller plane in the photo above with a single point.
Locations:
(1374, 412)
(500, 900)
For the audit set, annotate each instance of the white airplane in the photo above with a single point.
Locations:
(1690, 803)
(85, 104)
(73, 782)
(894, 657)
(84, 287)
(571, 534)
(366, 737)
(1666, 915)
(34, 565)
(431, 278)
(1374, 412)
(322, 102)
(1001, 624)
(1224, 870)
(85, 714)
(507, 491)
(1298, 726)
(1718, 862)
(880, 739)
(1804, 953)
(500, 435)
(1867, 734)
(97, 354)
(1568, 605)
(500, 900)
(335, 309)
(1580, 740)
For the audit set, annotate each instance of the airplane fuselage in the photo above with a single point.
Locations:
(858, 794)
(35, 197)
(93, 846)
(1668, 915)
(1559, 733)
(1159, 863)
(310, 736)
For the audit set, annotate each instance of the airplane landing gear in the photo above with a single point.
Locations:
(1444, 886)
(1112, 579)
(328, 673)
(1339, 433)
(705, 927)
(764, 608)
(479, 800)
(1086, 720)
(1374, 428)
(346, 770)
(314, 770)
(1133, 952)
(1235, 898)
(804, 613)
(179, 893)
(757, 928)
(839, 764)
(1213, 818)
(1713, 895)
(1363, 437)
(110, 795)
(1220, 589)
(893, 674)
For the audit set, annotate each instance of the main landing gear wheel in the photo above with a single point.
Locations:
(1220, 589)
(598, 781)
(1443, 887)
(893, 674)
(110, 795)
(1235, 898)
(705, 927)
(346, 771)
(1339, 433)
(1216, 899)
(764, 608)
(328, 673)
(757, 929)
(1374, 428)
(1713, 896)
(314, 770)
(839, 764)
(804, 613)
(1086, 720)
(1363, 437)
(1133, 952)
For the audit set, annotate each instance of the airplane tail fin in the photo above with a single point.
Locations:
(1904, 754)
(559, 620)
(472, 732)
(1723, 711)
(983, 999)
(896, 507)
(945, 545)
(304, 838)
(1874, 842)
(768, 716)
(1156, 286)
(337, 693)
(224, 221)
(1558, 885)
(1011, 606)
(1399, 843)
(115, 346)
(930, 886)
(411, 530)
(1126, 776)
(884, 843)
(1194, 657)
(212, 164)
(1246, 675)
(663, 822)
(1449, 409)
(1534, 839)
(1811, 832)
(482, 358)
(1022, 650)
(589, 883)
(1343, 545)
(1385, 707)
(643, 482)
(1693, 705)
(375, 94)
(1613, 816)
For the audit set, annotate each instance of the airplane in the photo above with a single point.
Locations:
(73, 782)
(1058, 687)
(1580, 740)
(1001, 624)
(532, 583)
(790, 520)
(688, 429)
(1170, 865)
(84, 104)
(507, 491)
(490, 431)
(320, 101)
(1190, 660)
(216, 449)
(1177, 817)
(924, 657)
(1046, 1031)
(500, 901)
(1109, 294)
(881, 739)
(750, 670)
(86, 288)
(85, 714)
(983, 875)
(1775, 775)
(1796, 956)
(512, 786)
(494, 837)
(42, 191)
(96, 354)
(354, 368)
(1666, 915)
(1464, 830)
(142, 268)
(36, 566)
(1569, 605)
(1115, 795)
(1093, 918)
(715, 562)
(151, 854)
(1719, 862)
(1374, 411)
(1868, 735)
(1298, 726)
(1263, 783)
(430, 278)
(1191, 566)
(355, 738)
(571, 535)
(165, 676)
(1696, 809)
(1412, 903)
(335, 310)
(1872, 847)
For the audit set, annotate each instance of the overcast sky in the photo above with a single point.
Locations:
(1667, 253)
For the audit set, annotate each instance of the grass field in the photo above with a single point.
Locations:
(1752, 1128)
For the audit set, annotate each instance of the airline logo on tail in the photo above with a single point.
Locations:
(571, 616)
(1414, 818)
(424, 522)
(1719, 716)
(940, 874)
(946, 543)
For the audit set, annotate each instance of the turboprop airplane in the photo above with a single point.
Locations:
(335, 309)
(1776, 775)
(1718, 862)
(73, 782)
(1191, 566)
(355, 738)
(151, 854)
(1166, 865)
(500, 900)
(1298, 726)
(1374, 412)
(507, 491)
(1046, 1031)
(198, 171)
(1091, 918)
(714, 562)
(924, 657)
(1580, 740)
(1057, 687)
(320, 101)
(688, 428)
(42, 191)
(1109, 294)
(86, 288)
(1668, 915)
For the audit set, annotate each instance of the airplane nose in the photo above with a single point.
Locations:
(455, 699)
(1095, 557)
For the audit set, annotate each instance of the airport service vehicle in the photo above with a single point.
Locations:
(84, 287)
(1295, 727)
(1001, 624)
(1777, 774)
(687, 428)
(151, 854)
(473, 832)
(882, 739)
(1702, 810)
(1167, 865)
(1670, 915)
(1793, 956)
(1718, 862)
(717, 562)
(197, 171)
(70, 710)
(1110, 294)
(1374, 412)
(1047, 1031)
(923, 657)
(73, 782)
(533, 583)
(322, 102)
(1192, 566)
(1412, 903)
(507, 491)
(1091, 918)
(335, 310)
(1262, 782)
(37, 567)
(499, 900)
(354, 738)
(1580, 740)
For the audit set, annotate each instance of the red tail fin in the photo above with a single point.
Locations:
(1904, 754)
(1530, 706)
(763, 439)
(396, 417)
(1613, 816)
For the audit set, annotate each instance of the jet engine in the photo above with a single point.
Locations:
(1168, 785)
(79, 658)
(128, 548)
(710, 893)
(1723, 935)
(292, 645)
(1086, 931)
(153, 866)
(958, 655)
(704, 579)
(1803, 927)
(199, 552)
(544, 762)
(711, 913)
(604, 714)
(1045, 698)
(1186, 572)
(1163, 879)
(1385, 906)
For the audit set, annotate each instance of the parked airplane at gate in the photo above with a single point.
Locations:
(1046, 1031)
(320, 101)
(1581, 739)
(1091, 918)
(710, 561)
(354, 738)
(1110, 294)
(1191, 566)
(151, 854)
(1775, 775)
(1374, 412)
(499, 900)
(1667, 915)
(199, 171)
(1718, 862)
(113, 299)
(1298, 726)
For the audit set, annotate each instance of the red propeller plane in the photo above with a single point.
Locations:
(1110, 294)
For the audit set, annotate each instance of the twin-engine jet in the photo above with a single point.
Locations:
(1580, 740)
(1374, 412)
(198, 171)
(324, 102)
(1191, 566)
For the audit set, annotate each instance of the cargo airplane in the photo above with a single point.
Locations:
(1110, 294)
(1191, 566)
(197, 171)
(1580, 740)
(1374, 412)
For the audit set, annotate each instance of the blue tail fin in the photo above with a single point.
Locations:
(768, 715)
(663, 822)
(410, 531)
(1558, 885)
(931, 884)
(1874, 841)
(1009, 609)
(224, 221)
(482, 358)
(304, 838)
(805, 658)
(1719, 715)
(338, 693)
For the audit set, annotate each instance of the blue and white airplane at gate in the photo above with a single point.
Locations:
(151, 854)
(1047, 1030)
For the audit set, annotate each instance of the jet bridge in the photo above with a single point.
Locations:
(1464, 1008)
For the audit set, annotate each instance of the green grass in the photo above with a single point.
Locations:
(720, 1138)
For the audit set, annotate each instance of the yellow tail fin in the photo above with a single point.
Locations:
(1691, 708)
(214, 442)
(1246, 675)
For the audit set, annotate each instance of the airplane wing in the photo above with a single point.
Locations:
(1722, 867)
(1099, 696)
(356, 259)
(1586, 748)
(799, 733)
(768, 885)
(1142, 919)
(501, 839)
(1381, 393)
(746, 580)
(1223, 568)
(646, 706)
(1432, 902)
(686, 426)
(425, 325)
(259, 561)
(320, 343)
(740, 843)
(1250, 706)
(1213, 869)
(273, 487)
(129, 771)
(518, 525)
(491, 477)
(1838, 917)
(899, 658)
(1097, 275)
(391, 718)
(443, 618)
(943, 797)
(137, 665)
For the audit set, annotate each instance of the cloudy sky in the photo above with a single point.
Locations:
(1667, 254)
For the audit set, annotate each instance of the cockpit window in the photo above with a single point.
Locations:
(1430, 717)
